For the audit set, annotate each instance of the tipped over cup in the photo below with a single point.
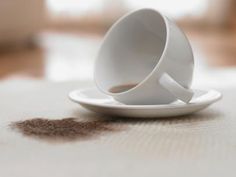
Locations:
(145, 59)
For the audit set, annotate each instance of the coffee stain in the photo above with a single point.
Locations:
(67, 129)
(93, 126)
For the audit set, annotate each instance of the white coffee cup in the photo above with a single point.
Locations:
(145, 48)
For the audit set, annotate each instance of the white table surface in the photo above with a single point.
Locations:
(203, 144)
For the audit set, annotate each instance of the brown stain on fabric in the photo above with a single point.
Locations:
(67, 129)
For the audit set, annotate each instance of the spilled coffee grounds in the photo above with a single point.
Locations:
(64, 129)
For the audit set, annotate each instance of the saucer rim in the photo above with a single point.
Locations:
(163, 106)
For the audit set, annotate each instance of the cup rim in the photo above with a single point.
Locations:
(153, 70)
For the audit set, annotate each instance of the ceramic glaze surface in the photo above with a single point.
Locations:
(140, 48)
(96, 101)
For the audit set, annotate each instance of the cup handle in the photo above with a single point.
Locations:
(175, 88)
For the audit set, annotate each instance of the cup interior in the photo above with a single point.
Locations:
(131, 49)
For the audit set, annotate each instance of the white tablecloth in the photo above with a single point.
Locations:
(203, 144)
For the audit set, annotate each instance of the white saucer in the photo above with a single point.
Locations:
(96, 101)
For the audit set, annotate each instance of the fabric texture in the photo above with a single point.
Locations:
(202, 144)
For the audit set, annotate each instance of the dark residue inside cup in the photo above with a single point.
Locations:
(122, 88)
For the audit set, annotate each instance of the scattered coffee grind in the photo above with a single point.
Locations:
(62, 129)
(121, 88)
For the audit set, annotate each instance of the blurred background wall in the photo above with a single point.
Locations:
(57, 39)
(102, 13)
